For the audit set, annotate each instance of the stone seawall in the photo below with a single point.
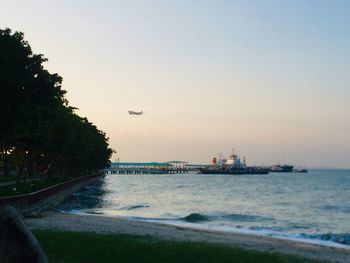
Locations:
(33, 204)
(54, 199)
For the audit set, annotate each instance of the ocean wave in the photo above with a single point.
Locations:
(88, 198)
(195, 217)
(94, 212)
(133, 207)
(169, 220)
(336, 208)
(331, 207)
(343, 238)
(246, 218)
(346, 210)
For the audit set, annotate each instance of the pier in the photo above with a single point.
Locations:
(171, 167)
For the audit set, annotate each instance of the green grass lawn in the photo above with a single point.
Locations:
(5, 179)
(23, 188)
(92, 248)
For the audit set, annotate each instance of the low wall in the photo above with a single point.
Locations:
(33, 203)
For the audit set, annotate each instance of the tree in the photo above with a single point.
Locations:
(38, 129)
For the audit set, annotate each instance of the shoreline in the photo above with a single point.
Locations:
(101, 224)
(202, 227)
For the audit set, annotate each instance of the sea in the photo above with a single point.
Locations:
(309, 207)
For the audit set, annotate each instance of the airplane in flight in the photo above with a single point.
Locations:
(135, 112)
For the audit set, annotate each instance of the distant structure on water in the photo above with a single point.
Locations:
(233, 166)
(170, 167)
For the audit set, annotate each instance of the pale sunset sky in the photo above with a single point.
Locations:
(269, 78)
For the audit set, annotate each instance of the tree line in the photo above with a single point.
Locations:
(40, 133)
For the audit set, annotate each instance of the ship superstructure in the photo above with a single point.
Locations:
(237, 166)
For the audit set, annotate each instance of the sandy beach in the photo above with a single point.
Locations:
(112, 225)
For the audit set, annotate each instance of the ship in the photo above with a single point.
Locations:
(237, 167)
(286, 168)
(303, 170)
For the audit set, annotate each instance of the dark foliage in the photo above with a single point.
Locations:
(39, 132)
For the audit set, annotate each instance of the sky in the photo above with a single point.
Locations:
(270, 78)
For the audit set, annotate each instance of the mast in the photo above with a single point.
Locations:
(233, 156)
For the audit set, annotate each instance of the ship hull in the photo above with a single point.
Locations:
(248, 170)
(281, 169)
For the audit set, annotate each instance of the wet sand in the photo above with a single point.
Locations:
(112, 225)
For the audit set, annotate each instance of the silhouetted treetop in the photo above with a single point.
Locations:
(39, 131)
